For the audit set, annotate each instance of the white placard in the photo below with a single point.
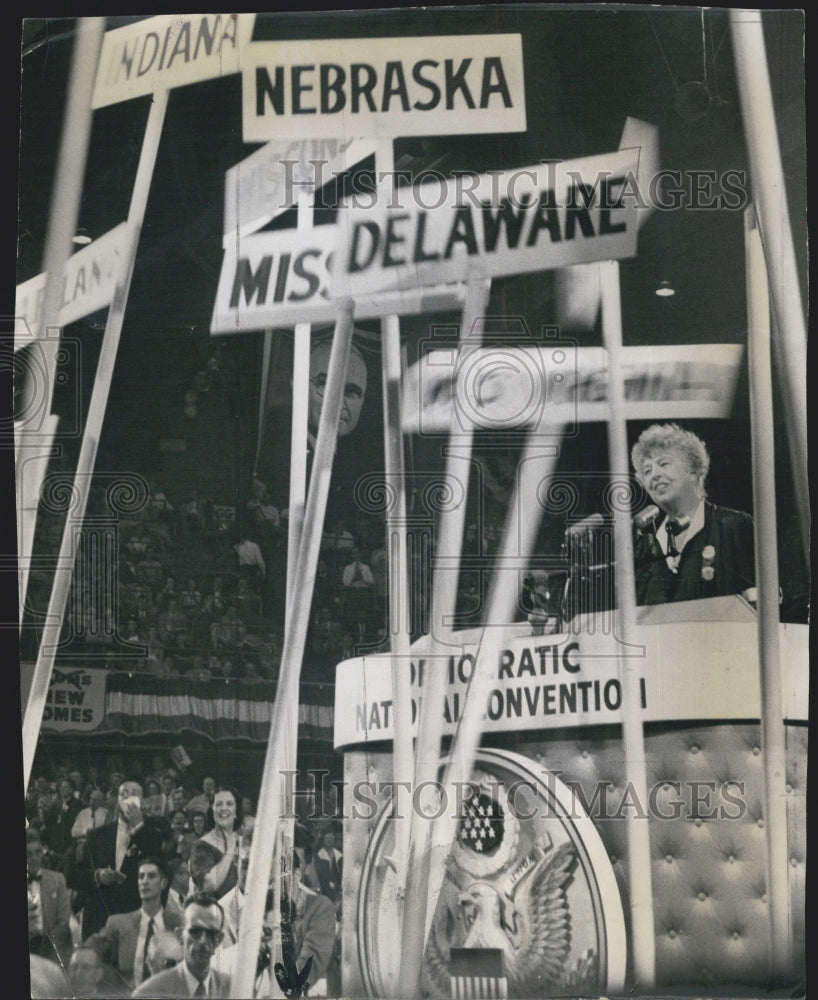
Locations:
(504, 387)
(284, 277)
(268, 182)
(89, 284)
(383, 87)
(531, 219)
(170, 50)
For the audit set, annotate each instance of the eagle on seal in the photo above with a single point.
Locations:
(532, 929)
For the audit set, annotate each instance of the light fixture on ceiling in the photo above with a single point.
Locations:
(81, 237)
(665, 290)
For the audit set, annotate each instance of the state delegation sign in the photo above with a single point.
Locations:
(282, 278)
(383, 87)
(268, 182)
(546, 216)
(499, 388)
(89, 283)
(168, 51)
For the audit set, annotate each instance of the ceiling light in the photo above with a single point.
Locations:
(665, 290)
(81, 238)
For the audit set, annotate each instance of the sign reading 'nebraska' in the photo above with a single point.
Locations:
(164, 52)
(383, 87)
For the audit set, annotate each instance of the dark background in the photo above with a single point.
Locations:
(585, 71)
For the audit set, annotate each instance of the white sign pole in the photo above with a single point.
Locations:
(300, 410)
(519, 535)
(90, 442)
(396, 549)
(62, 223)
(284, 721)
(773, 741)
(770, 198)
(640, 882)
(443, 600)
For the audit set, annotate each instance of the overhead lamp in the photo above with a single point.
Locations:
(665, 290)
(81, 237)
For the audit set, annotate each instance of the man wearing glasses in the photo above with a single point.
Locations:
(201, 934)
(354, 389)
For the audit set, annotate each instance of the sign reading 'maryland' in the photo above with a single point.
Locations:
(89, 283)
(284, 277)
(170, 50)
(383, 87)
(268, 182)
(536, 218)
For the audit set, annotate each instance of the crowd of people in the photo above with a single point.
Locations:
(120, 867)
(199, 593)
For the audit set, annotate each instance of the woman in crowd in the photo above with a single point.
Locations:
(223, 840)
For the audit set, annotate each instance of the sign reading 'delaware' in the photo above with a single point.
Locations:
(383, 87)
(536, 218)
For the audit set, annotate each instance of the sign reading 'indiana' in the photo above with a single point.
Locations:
(383, 87)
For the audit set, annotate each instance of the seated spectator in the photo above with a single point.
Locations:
(48, 980)
(250, 674)
(247, 603)
(192, 513)
(86, 971)
(49, 905)
(92, 815)
(153, 798)
(328, 866)
(265, 516)
(201, 672)
(227, 631)
(250, 560)
(358, 584)
(215, 603)
(164, 951)
(204, 801)
(190, 598)
(179, 798)
(126, 936)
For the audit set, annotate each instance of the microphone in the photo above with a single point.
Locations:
(676, 525)
(586, 524)
(645, 520)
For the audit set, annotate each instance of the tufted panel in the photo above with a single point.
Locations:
(707, 840)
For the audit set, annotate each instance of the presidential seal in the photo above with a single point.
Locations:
(529, 906)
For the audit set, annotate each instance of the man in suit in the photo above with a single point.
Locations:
(49, 905)
(692, 548)
(201, 934)
(107, 871)
(126, 936)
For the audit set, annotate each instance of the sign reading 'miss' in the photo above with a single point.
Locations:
(383, 87)
(510, 222)
(285, 277)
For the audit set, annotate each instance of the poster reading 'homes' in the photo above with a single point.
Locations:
(409, 441)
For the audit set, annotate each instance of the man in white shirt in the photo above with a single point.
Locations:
(93, 815)
(107, 871)
(128, 935)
